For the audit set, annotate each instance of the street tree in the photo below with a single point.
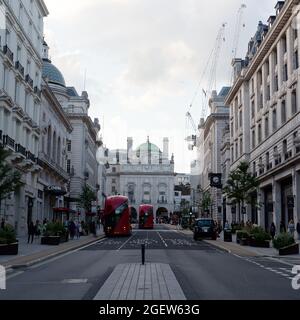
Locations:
(206, 201)
(86, 198)
(10, 178)
(240, 187)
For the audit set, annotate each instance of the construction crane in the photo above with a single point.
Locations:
(237, 33)
(210, 72)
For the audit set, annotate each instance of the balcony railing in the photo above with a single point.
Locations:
(37, 91)
(20, 149)
(288, 155)
(162, 201)
(29, 80)
(8, 53)
(8, 141)
(278, 161)
(269, 166)
(30, 156)
(19, 68)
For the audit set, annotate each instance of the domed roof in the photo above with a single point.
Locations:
(146, 147)
(52, 73)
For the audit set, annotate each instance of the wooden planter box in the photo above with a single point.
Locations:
(64, 238)
(259, 244)
(293, 249)
(9, 249)
(227, 236)
(244, 242)
(50, 241)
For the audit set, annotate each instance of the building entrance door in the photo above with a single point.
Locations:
(287, 198)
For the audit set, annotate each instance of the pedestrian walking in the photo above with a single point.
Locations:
(38, 229)
(273, 230)
(78, 229)
(2, 224)
(72, 229)
(291, 227)
(282, 227)
(226, 227)
(31, 232)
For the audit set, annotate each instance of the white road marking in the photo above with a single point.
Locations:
(162, 239)
(74, 281)
(126, 242)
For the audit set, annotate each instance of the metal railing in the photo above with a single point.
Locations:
(8, 53)
(8, 141)
(29, 80)
(19, 68)
(20, 149)
(30, 156)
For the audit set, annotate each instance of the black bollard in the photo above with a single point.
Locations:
(143, 254)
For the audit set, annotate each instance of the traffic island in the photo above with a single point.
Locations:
(9, 249)
(289, 250)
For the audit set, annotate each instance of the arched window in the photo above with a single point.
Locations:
(49, 139)
(58, 151)
(54, 146)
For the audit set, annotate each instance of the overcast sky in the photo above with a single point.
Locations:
(144, 59)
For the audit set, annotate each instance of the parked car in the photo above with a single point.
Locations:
(205, 228)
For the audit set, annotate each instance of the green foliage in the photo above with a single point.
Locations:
(55, 229)
(206, 201)
(10, 179)
(283, 240)
(86, 198)
(242, 234)
(240, 185)
(259, 234)
(7, 235)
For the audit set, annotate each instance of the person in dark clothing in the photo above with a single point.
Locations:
(72, 229)
(273, 230)
(2, 224)
(31, 232)
(282, 227)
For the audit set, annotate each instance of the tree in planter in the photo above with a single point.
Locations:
(206, 201)
(240, 186)
(10, 179)
(86, 198)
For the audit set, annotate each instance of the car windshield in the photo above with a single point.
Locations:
(205, 223)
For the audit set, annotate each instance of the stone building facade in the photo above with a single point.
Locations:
(265, 116)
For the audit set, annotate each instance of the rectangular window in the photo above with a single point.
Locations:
(69, 145)
(276, 83)
(253, 109)
(294, 102)
(241, 119)
(296, 60)
(268, 94)
(241, 146)
(284, 44)
(259, 134)
(69, 166)
(266, 127)
(274, 120)
(283, 112)
(285, 72)
(253, 139)
(113, 181)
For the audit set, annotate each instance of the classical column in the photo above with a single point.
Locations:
(277, 203)
(261, 209)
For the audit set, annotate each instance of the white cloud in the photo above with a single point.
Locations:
(144, 59)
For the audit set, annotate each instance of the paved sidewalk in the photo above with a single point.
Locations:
(152, 281)
(30, 254)
(234, 248)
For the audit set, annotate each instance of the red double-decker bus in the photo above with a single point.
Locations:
(146, 218)
(116, 217)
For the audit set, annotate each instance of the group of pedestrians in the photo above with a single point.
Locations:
(36, 230)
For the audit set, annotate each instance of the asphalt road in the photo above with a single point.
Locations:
(203, 271)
